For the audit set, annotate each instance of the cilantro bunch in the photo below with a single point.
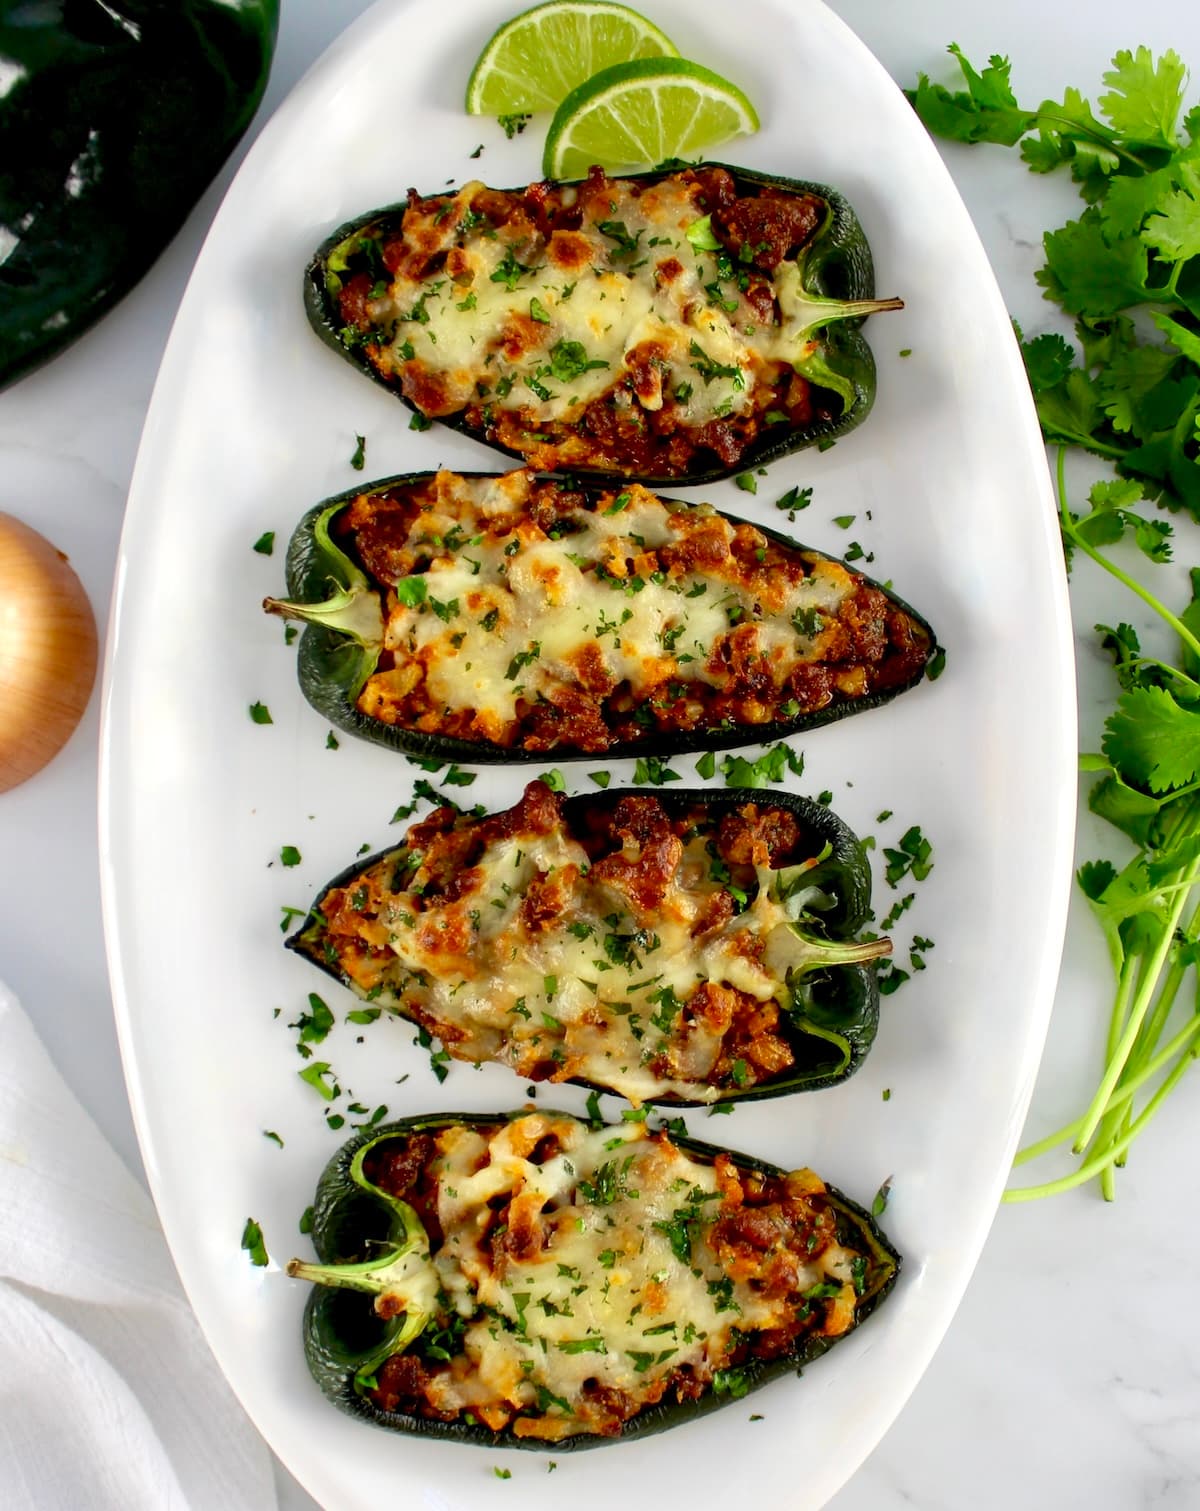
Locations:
(1128, 390)
(1122, 393)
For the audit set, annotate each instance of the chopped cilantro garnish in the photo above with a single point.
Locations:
(252, 1242)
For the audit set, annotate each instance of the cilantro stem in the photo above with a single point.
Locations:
(1077, 539)
(1102, 1161)
(1105, 138)
(1188, 1038)
(1137, 1013)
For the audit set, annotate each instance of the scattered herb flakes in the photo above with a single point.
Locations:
(289, 855)
(358, 460)
(254, 1245)
(747, 482)
(706, 766)
(502, 1474)
(411, 591)
(419, 421)
(290, 632)
(285, 922)
(513, 124)
(891, 978)
(305, 1225)
(772, 766)
(886, 1094)
(936, 664)
(265, 543)
(794, 500)
(553, 779)
(319, 1075)
(314, 1025)
(477, 153)
(880, 1201)
(913, 857)
(331, 741)
(273, 1136)
(653, 771)
(844, 521)
(601, 778)
(457, 777)
(261, 714)
(906, 351)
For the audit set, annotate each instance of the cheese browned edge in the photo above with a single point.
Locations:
(587, 1273)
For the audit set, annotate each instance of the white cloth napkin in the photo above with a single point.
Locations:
(109, 1396)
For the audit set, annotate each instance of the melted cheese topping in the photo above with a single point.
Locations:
(643, 973)
(502, 618)
(549, 328)
(617, 1285)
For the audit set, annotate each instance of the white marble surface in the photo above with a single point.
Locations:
(1071, 1376)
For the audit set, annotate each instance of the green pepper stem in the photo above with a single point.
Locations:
(352, 609)
(815, 313)
(796, 951)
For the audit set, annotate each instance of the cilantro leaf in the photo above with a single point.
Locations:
(1088, 275)
(1186, 342)
(987, 111)
(1131, 197)
(1174, 228)
(1048, 360)
(1152, 741)
(1145, 97)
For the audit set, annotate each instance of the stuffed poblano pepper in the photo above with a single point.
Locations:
(681, 947)
(498, 618)
(531, 1281)
(670, 327)
(114, 118)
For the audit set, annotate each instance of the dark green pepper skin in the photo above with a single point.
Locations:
(839, 1001)
(341, 1327)
(330, 672)
(838, 265)
(121, 116)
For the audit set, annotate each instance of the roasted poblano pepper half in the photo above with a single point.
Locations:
(495, 618)
(114, 117)
(678, 947)
(614, 1281)
(676, 326)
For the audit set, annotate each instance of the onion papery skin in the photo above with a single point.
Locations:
(48, 651)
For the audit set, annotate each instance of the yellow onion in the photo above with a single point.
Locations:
(47, 651)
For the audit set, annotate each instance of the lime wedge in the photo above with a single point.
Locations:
(637, 115)
(534, 61)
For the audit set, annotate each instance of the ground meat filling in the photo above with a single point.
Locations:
(639, 935)
(782, 1260)
(701, 626)
(645, 420)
